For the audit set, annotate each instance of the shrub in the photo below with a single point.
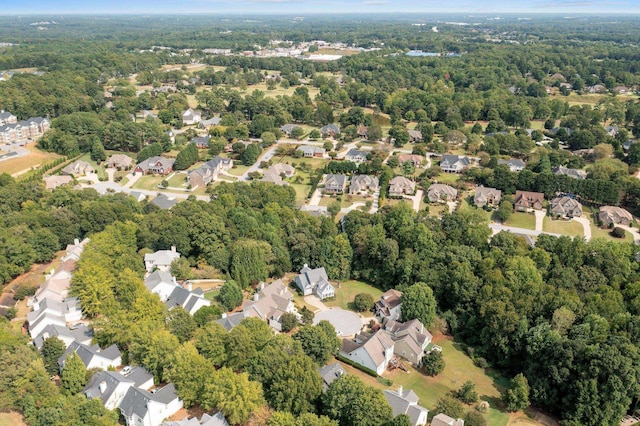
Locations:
(433, 363)
(363, 302)
(288, 321)
(617, 232)
(20, 293)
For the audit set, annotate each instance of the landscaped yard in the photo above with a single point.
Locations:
(148, 182)
(301, 192)
(438, 209)
(347, 291)
(238, 170)
(448, 178)
(564, 227)
(604, 233)
(522, 220)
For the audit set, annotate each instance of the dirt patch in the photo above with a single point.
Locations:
(12, 419)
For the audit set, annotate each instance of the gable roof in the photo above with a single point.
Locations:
(513, 162)
(164, 201)
(574, 173)
(162, 258)
(483, 194)
(374, 345)
(561, 205)
(87, 353)
(336, 180)
(81, 334)
(103, 384)
(158, 160)
(528, 199)
(136, 401)
(331, 372)
(352, 153)
(437, 189)
(459, 161)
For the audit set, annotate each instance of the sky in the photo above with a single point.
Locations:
(317, 6)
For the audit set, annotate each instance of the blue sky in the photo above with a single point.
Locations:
(316, 6)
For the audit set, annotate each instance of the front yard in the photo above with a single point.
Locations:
(522, 220)
(564, 227)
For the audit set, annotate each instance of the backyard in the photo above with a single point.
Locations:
(346, 291)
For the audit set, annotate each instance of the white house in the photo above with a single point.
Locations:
(371, 351)
(161, 259)
(406, 403)
(79, 333)
(315, 281)
(444, 420)
(142, 408)
(216, 419)
(161, 283)
(270, 304)
(189, 300)
(191, 116)
(93, 356)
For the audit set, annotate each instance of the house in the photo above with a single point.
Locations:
(331, 372)
(597, 88)
(164, 201)
(612, 130)
(356, 155)
(444, 420)
(611, 215)
(160, 260)
(142, 408)
(565, 207)
(574, 173)
(314, 281)
(309, 151)
(52, 182)
(110, 386)
(362, 131)
(555, 131)
(209, 123)
(371, 351)
(335, 184)
(119, 161)
(406, 403)
(186, 298)
(400, 186)
(454, 163)
(7, 118)
(202, 142)
(139, 196)
(228, 321)
(440, 193)
(93, 356)
(288, 128)
(23, 130)
(191, 116)
(78, 168)
(514, 164)
(209, 171)
(330, 130)
(270, 303)
(52, 311)
(415, 136)
(411, 339)
(623, 90)
(275, 173)
(79, 333)
(389, 306)
(206, 420)
(415, 160)
(486, 196)
(527, 201)
(157, 165)
(160, 282)
(364, 184)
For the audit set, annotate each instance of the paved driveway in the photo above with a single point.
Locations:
(346, 323)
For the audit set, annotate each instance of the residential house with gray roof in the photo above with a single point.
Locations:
(216, 419)
(335, 184)
(356, 155)
(108, 386)
(209, 171)
(441, 193)
(77, 169)
(160, 260)
(270, 304)
(612, 215)
(486, 196)
(142, 408)
(400, 186)
(389, 306)
(406, 402)
(373, 351)
(454, 163)
(79, 333)
(315, 281)
(330, 130)
(574, 173)
(331, 372)
(514, 164)
(93, 356)
(444, 420)
(164, 201)
(411, 339)
(189, 300)
(157, 165)
(364, 184)
(309, 151)
(566, 207)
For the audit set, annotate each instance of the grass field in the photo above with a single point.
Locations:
(522, 220)
(571, 228)
(438, 209)
(11, 419)
(448, 178)
(24, 164)
(148, 182)
(301, 192)
(347, 292)
(604, 233)
(238, 170)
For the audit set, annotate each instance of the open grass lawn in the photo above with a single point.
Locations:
(437, 209)
(12, 419)
(278, 91)
(459, 368)
(35, 158)
(394, 201)
(179, 180)
(102, 174)
(347, 292)
(604, 233)
(148, 182)
(238, 170)
(301, 192)
(522, 220)
(314, 163)
(211, 295)
(564, 227)
(448, 178)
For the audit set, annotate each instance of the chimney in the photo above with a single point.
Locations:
(256, 297)
(400, 390)
(305, 266)
(45, 335)
(261, 285)
(173, 279)
(189, 286)
(76, 242)
(224, 315)
(103, 386)
(173, 249)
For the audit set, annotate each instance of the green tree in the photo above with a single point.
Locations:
(206, 315)
(210, 341)
(98, 153)
(189, 371)
(467, 392)
(181, 324)
(52, 350)
(334, 208)
(433, 363)
(233, 394)
(268, 139)
(181, 269)
(230, 295)
(352, 403)
(473, 418)
(504, 211)
(289, 321)
(400, 420)
(251, 154)
(516, 396)
(449, 406)
(249, 259)
(74, 374)
(315, 134)
(374, 133)
(363, 302)
(187, 157)
(419, 303)
(319, 342)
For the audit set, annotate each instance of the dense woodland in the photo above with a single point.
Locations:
(565, 314)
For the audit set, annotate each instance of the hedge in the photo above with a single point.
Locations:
(356, 365)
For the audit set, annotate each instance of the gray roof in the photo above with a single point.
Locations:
(311, 276)
(87, 353)
(231, 320)
(357, 153)
(139, 376)
(450, 160)
(136, 400)
(201, 140)
(308, 149)
(206, 420)
(337, 180)
(330, 128)
(82, 333)
(110, 378)
(513, 162)
(164, 202)
(178, 297)
(151, 162)
(213, 121)
(331, 372)
(157, 277)
(574, 173)
(404, 403)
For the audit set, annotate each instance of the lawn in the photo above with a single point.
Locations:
(571, 228)
(347, 200)
(102, 174)
(347, 290)
(12, 419)
(438, 209)
(522, 220)
(238, 170)
(459, 368)
(448, 178)
(604, 233)
(301, 192)
(148, 182)
(34, 159)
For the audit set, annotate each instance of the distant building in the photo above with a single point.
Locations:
(454, 163)
(78, 168)
(400, 186)
(155, 165)
(514, 164)
(574, 173)
(441, 193)
(191, 116)
(309, 151)
(160, 260)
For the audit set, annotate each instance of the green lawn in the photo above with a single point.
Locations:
(448, 178)
(301, 192)
(522, 220)
(604, 233)
(211, 295)
(347, 291)
(102, 174)
(148, 182)
(438, 209)
(179, 180)
(237, 170)
(564, 227)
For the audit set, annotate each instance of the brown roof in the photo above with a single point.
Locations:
(525, 198)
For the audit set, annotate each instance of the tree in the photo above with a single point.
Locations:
(334, 208)
(467, 393)
(74, 374)
(268, 139)
(419, 303)
(187, 157)
(319, 342)
(52, 350)
(181, 269)
(400, 135)
(352, 403)
(249, 260)
(251, 154)
(374, 133)
(307, 315)
(98, 153)
(516, 397)
(189, 371)
(288, 321)
(473, 418)
(315, 134)
(206, 315)
(230, 295)
(363, 302)
(297, 132)
(233, 394)
(283, 418)
(504, 211)
(181, 324)
(400, 420)
(210, 342)
(433, 363)
(449, 406)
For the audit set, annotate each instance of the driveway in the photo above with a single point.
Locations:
(315, 197)
(634, 232)
(416, 199)
(110, 173)
(586, 226)
(314, 301)
(254, 168)
(534, 233)
(540, 214)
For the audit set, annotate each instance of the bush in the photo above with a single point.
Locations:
(20, 293)
(363, 302)
(433, 363)
(617, 232)
(356, 365)
(467, 393)
(481, 362)
(11, 313)
(288, 322)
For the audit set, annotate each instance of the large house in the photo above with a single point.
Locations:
(611, 215)
(216, 419)
(411, 339)
(574, 173)
(400, 186)
(454, 163)
(143, 408)
(373, 351)
(440, 193)
(330, 130)
(565, 207)
(406, 403)
(527, 201)
(164, 201)
(315, 281)
(23, 130)
(160, 260)
(155, 165)
(415, 135)
(415, 160)
(364, 184)
(275, 173)
(172, 294)
(309, 151)
(206, 173)
(7, 118)
(444, 420)
(514, 164)
(50, 311)
(52, 182)
(389, 306)
(119, 161)
(78, 168)
(287, 129)
(191, 116)
(270, 303)
(357, 156)
(77, 333)
(335, 184)
(93, 356)
(486, 196)
(110, 386)
(202, 142)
